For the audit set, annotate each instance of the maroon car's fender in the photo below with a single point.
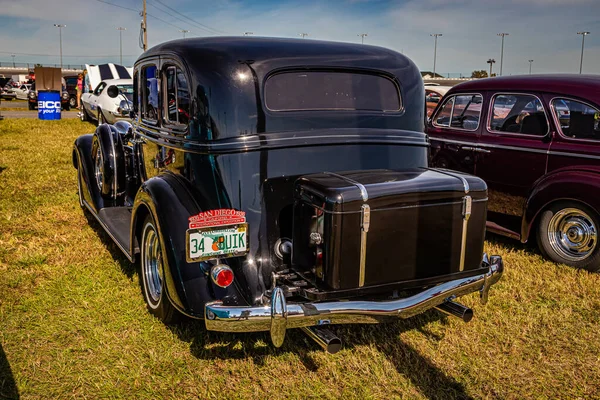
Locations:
(576, 184)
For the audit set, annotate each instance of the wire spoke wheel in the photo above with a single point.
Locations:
(572, 234)
(152, 265)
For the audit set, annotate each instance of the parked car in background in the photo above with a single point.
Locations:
(22, 91)
(433, 95)
(99, 105)
(235, 179)
(7, 93)
(71, 81)
(535, 140)
(33, 99)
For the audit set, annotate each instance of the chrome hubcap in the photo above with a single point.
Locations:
(98, 169)
(572, 234)
(152, 265)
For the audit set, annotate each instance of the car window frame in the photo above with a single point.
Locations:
(443, 103)
(155, 62)
(491, 113)
(165, 66)
(101, 90)
(557, 121)
(167, 125)
(363, 71)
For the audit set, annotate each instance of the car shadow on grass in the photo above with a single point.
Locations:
(256, 346)
(431, 381)
(8, 387)
(127, 267)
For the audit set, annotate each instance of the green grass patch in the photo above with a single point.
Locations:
(73, 322)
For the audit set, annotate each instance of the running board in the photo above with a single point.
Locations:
(495, 228)
(116, 221)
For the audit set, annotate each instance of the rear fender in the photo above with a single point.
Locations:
(574, 185)
(171, 204)
(82, 160)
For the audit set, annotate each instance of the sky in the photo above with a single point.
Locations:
(542, 30)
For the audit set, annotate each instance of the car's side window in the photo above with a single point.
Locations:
(149, 100)
(518, 113)
(177, 96)
(460, 112)
(576, 119)
(99, 88)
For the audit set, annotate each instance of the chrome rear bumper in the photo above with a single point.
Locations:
(280, 315)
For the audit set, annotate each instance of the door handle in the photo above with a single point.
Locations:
(482, 150)
(468, 148)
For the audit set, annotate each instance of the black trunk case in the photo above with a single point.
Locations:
(415, 231)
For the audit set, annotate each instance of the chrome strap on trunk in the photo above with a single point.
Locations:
(365, 222)
(466, 214)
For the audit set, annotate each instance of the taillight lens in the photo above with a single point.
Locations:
(221, 275)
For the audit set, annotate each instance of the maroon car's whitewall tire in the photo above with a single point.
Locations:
(568, 234)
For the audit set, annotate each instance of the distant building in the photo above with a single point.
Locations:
(430, 75)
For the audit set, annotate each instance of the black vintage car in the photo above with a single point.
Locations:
(268, 184)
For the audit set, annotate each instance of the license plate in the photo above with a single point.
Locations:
(217, 242)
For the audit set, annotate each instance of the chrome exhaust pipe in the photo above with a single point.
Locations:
(324, 338)
(458, 310)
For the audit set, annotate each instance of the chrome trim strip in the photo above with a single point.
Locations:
(222, 318)
(91, 210)
(491, 146)
(365, 222)
(490, 113)
(466, 212)
(562, 153)
(360, 186)
(401, 207)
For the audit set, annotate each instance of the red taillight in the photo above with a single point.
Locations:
(221, 275)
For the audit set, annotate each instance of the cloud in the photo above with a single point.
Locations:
(543, 30)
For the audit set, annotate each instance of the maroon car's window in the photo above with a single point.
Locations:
(335, 90)
(577, 120)
(442, 118)
(518, 113)
(460, 112)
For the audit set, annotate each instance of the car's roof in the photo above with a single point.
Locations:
(263, 50)
(583, 86)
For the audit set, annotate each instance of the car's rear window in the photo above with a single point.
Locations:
(331, 90)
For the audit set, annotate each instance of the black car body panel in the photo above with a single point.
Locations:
(229, 140)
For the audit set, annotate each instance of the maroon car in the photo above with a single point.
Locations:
(535, 140)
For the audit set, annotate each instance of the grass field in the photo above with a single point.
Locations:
(73, 322)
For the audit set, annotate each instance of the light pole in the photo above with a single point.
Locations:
(121, 29)
(502, 51)
(60, 26)
(303, 34)
(248, 33)
(13, 57)
(491, 61)
(583, 35)
(362, 37)
(435, 35)
(184, 31)
(530, 62)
